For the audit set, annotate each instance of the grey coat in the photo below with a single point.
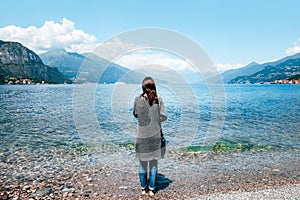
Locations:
(148, 137)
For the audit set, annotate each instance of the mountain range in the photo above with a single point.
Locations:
(67, 63)
(270, 73)
(284, 68)
(59, 66)
(70, 64)
(18, 62)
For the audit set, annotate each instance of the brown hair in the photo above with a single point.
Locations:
(149, 90)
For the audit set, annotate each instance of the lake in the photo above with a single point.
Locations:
(42, 117)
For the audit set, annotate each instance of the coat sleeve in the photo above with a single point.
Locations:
(162, 110)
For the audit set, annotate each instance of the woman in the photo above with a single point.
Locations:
(150, 112)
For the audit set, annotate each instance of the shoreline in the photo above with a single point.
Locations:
(286, 191)
(114, 175)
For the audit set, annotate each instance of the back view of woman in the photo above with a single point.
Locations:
(150, 112)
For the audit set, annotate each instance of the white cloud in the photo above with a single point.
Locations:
(224, 67)
(134, 55)
(50, 35)
(145, 57)
(115, 47)
(148, 57)
(65, 35)
(295, 49)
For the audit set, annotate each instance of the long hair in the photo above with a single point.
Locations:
(149, 90)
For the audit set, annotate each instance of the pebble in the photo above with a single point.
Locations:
(276, 170)
(65, 195)
(26, 187)
(89, 179)
(290, 192)
(70, 178)
(68, 190)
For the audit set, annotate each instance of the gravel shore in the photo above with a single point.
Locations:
(234, 175)
(288, 191)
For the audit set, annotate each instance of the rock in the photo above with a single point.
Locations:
(4, 196)
(26, 187)
(89, 179)
(68, 190)
(43, 192)
(65, 195)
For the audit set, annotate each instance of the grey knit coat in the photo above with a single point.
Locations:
(148, 136)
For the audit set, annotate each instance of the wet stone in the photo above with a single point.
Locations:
(43, 192)
(68, 190)
(89, 179)
(26, 187)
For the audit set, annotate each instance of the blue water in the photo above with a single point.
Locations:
(55, 116)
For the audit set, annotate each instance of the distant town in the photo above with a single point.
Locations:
(287, 81)
(23, 81)
(28, 81)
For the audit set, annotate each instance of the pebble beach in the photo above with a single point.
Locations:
(259, 174)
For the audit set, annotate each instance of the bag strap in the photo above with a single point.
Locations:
(158, 109)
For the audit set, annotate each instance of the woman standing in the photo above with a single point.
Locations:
(150, 112)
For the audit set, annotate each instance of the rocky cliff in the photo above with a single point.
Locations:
(19, 62)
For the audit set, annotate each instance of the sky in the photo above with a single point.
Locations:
(232, 32)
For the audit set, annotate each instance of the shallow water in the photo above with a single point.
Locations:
(41, 117)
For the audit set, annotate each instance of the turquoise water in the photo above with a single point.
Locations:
(54, 116)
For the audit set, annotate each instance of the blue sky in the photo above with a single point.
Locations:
(232, 32)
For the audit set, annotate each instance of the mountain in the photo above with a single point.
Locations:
(244, 71)
(253, 68)
(271, 73)
(18, 62)
(112, 72)
(67, 63)
(70, 63)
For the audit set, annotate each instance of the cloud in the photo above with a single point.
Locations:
(224, 67)
(295, 49)
(147, 57)
(133, 55)
(50, 35)
(115, 47)
(66, 36)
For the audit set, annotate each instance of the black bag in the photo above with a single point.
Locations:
(163, 144)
